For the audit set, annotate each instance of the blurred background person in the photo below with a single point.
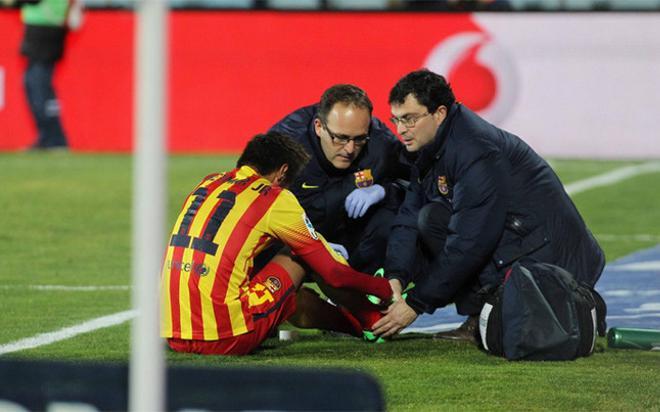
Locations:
(46, 24)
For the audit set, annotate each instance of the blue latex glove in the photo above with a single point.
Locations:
(360, 200)
(339, 249)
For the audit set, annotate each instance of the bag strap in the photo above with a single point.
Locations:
(601, 312)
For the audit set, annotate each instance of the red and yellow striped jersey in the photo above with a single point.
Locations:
(225, 222)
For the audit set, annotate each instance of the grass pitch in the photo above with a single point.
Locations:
(66, 221)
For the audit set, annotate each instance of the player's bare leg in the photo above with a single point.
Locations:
(313, 312)
(352, 314)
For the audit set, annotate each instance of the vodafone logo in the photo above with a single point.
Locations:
(480, 72)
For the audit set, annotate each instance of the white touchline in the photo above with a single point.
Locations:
(611, 177)
(648, 266)
(69, 332)
(641, 315)
(439, 327)
(80, 288)
(66, 288)
(640, 237)
(626, 293)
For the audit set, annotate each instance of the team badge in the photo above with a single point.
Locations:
(364, 178)
(443, 187)
(273, 284)
(310, 227)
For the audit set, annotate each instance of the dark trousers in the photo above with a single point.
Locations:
(44, 104)
(433, 226)
(366, 239)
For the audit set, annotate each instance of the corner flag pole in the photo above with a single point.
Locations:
(147, 367)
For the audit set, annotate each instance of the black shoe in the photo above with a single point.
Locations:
(38, 147)
(466, 332)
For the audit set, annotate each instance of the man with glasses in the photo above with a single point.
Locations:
(479, 199)
(347, 188)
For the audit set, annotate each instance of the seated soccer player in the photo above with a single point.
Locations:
(213, 303)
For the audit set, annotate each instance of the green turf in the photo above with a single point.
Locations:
(66, 221)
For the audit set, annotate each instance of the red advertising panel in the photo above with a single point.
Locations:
(235, 74)
(232, 74)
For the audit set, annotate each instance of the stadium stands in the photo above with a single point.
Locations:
(497, 5)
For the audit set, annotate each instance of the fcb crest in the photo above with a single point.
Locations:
(273, 284)
(363, 178)
(443, 187)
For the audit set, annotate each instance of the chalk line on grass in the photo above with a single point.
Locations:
(68, 332)
(611, 177)
(67, 288)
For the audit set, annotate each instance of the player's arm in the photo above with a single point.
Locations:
(401, 244)
(290, 224)
(478, 218)
(338, 274)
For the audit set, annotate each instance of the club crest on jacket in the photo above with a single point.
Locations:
(443, 187)
(363, 178)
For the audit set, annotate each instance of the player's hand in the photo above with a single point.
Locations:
(339, 249)
(361, 199)
(398, 316)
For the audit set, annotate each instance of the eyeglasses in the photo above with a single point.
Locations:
(343, 140)
(408, 120)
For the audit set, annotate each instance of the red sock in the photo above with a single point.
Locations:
(364, 313)
(357, 327)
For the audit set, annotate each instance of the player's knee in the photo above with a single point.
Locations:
(295, 271)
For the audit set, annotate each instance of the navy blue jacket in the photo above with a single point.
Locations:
(506, 203)
(321, 188)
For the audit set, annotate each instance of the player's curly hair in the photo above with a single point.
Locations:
(269, 151)
(430, 89)
(347, 94)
